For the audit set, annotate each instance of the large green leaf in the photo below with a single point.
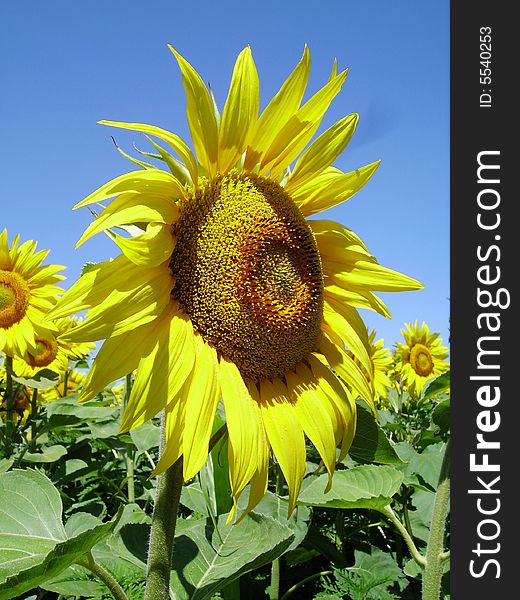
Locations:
(370, 443)
(436, 386)
(48, 454)
(365, 486)
(84, 411)
(44, 379)
(34, 544)
(206, 560)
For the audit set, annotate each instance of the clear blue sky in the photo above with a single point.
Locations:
(65, 65)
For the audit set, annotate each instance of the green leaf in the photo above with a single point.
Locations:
(90, 411)
(48, 454)
(41, 381)
(34, 544)
(6, 464)
(146, 436)
(441, 417)
(366, 486)
(370, 444)
(73, 582)
(206, 560)
(427, 464)
(436, 386)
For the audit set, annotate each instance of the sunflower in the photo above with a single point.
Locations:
(27, 292)
(228, 291)
(74, 380)
(53, 352)
(381, 361)
(421, 357)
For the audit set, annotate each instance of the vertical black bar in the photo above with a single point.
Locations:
(483, 325)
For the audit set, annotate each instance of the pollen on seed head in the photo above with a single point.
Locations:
(14, 298)
(248, 273)
(46, 351)
(421, 360)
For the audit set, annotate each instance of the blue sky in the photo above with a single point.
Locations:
(65, 65)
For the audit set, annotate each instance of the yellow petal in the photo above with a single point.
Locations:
(285, 435)
(201, 116)
(243, 424)
(5, 256)
(347, 323)
(163, 371)
(94, 286)
(340, 398)
(345, 367)
(358, 299)
(240, 111)
(201, 404)
(175, 414)
(313, 414)
(366, 275)
(330, 189)
(300, 128)
(279, 110)
(132, 208)
(260, 478)
(177, 143)
(322, 152)
(148, 181)
(131, 303)
(117, 357)
(150, 249)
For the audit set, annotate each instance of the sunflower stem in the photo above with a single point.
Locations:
(130, 454)
(274, 590)
(435, 556)
(162, 534)
(34, 414)
(9, 404)
(102, 574)
(66, 382)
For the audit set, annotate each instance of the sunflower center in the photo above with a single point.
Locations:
(45, 353)
(248, 274)
(14, 298)
(421, 360)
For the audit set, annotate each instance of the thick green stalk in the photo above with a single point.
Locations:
(435, 556)
(162, 534)
(115, 589)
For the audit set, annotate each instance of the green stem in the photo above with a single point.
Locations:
(432, 576)
(274, 590)
(162, 534)
(9, 405)
(102, 574)
(292, 589)
(130, 454)
(416, 555)
(130, 479)
(66, 383)
(34, 414)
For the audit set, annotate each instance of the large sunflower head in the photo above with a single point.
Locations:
(421, 357)
(27, 291)
(228, 291)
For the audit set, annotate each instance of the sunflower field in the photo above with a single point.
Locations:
(207, 415)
